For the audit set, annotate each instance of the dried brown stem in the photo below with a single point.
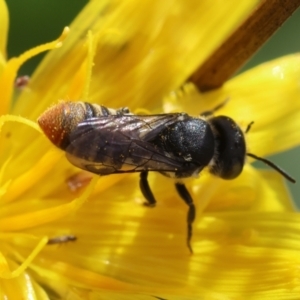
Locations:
(243, 43)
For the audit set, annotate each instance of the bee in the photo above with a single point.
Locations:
(106, 141)
(62, 239)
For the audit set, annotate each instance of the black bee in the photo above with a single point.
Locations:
(106, 141)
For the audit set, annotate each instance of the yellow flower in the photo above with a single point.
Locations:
(246, 237)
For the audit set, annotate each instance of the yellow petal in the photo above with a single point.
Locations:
(22, 287)
(253, 190)
(239, 245)
(9, 73)
(3, 33)
(274, 87)
(243, 228)
(133, 62)
(265, 94)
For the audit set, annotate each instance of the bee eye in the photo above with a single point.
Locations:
(230, 149)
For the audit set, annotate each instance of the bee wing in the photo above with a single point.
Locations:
(120, 144)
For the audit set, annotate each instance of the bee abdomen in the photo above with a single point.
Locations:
(60, 120)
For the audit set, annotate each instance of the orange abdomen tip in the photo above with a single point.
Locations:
(60, 120)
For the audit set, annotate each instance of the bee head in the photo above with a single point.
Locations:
(60, 120)
(230, 149)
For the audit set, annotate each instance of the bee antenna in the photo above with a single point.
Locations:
(249, 126)
(273, 166)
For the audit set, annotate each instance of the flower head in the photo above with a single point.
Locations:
(135, 53)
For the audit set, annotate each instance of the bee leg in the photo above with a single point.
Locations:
(185, 195)
(146, 191)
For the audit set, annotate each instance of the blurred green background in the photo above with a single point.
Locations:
(33, 22)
